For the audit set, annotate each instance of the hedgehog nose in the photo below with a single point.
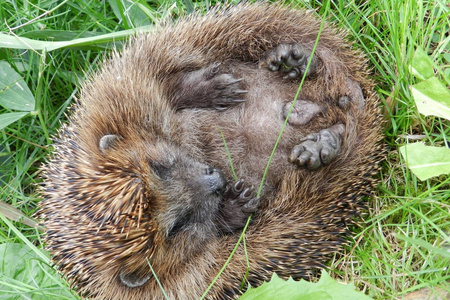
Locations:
(210, 170)
(215, 180)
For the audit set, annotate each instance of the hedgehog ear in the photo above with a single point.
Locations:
(107, 142)
(133, 280)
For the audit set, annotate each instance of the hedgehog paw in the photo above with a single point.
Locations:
(301, 113)
(291, 59)
(208, 88)
(225, 89)
(238, 204)
(318, 149)
(353, 97)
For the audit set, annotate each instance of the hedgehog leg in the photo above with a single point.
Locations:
(238, 204)
(291, 59)
(318, 149)
(354, 96)
(302, 112)
(208, 88)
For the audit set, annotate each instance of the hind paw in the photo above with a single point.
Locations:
(354, 96)
(290, 59)
(318, 149)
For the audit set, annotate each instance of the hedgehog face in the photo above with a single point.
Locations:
(175, 202)
(185, 193)
(192, 192)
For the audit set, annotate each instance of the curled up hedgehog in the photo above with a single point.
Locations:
(140, 187)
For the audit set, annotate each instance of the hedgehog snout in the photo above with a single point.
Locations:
(215, 180)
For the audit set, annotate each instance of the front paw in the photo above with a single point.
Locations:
(225, 88)
(209, 88)
(318, 149)
(291, 59)
(238, 203)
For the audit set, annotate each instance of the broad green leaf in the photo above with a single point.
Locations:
(22, 270)
(325, 289)
(432, 98)
(426, 161)
(447, 57)
(421, 65)
(9, 118)
(58, 35)
(14, 93)
(17, 42)
(53, 39)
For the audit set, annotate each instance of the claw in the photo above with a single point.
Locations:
(304, 158)
(215, 67)
(313, 163)
(221, 108)
(235, 80)
(239, 186)
(247, 193)
(251, 206)
(295, 153)
(240, 91)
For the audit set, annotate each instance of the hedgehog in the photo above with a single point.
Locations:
(139, 198)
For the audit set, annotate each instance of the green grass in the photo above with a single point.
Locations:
(403, 244)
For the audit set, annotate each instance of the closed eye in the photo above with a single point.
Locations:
(179, 225)
(162, 171)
